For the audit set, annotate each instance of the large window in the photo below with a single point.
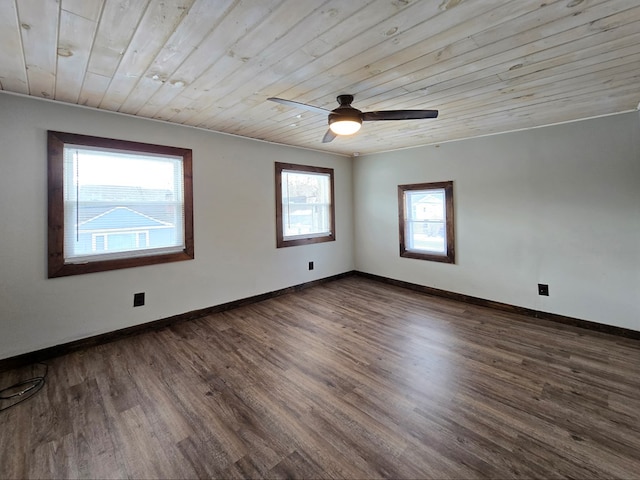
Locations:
(116, 204)
(426, 221)
(304, 205)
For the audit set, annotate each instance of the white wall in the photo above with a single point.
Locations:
(234, 218)
(557, 205)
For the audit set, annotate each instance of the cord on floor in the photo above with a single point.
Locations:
(23, 390)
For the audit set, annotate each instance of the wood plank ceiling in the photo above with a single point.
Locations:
(488, 66)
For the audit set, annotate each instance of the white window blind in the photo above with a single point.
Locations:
(120, 204)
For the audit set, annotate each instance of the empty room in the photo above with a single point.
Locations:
(320, 239)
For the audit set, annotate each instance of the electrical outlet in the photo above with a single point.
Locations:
(138, 299)
(310, 265)
(543, 289)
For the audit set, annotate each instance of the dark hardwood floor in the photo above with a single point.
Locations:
(348, 379)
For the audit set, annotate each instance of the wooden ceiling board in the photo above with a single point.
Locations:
(207, 65)
(155, 27)
(252, 50)
(152, 91)
(13, 71)
(73, 54)
(488, 66)
(83, 8)
(118, 24)
(284, 56)
(39, 28)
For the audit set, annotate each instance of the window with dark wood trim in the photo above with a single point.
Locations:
(305, 211)
(116, 204)
(426, 221)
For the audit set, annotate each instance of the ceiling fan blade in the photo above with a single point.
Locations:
(304, 106)
(399, 115)
(328, 136)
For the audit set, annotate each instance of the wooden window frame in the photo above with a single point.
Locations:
(280, 239)
(57, 267)
(450, 254)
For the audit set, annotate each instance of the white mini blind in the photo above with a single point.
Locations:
(120, 204)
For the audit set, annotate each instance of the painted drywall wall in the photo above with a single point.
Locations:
(234, 219)
(558, 205)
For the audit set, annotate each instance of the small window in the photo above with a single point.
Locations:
(426, 221)
(116, 204)
(304, 205)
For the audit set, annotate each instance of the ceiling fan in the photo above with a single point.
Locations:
(347, 120)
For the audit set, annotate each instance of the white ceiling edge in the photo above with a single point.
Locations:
(359, 155)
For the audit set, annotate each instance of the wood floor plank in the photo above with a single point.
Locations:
(348, 379)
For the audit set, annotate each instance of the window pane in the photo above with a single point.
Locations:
(428, 236)
(118, 204)
(305, 204)
(425, 220)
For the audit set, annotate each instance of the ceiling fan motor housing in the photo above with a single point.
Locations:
(345, 111)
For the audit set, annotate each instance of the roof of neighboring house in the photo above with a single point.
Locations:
(430, 198)
(121, 218)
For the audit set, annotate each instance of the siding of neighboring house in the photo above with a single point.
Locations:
(122, 228)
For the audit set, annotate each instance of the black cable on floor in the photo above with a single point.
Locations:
(24, 389)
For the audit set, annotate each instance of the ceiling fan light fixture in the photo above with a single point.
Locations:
(345, 126)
